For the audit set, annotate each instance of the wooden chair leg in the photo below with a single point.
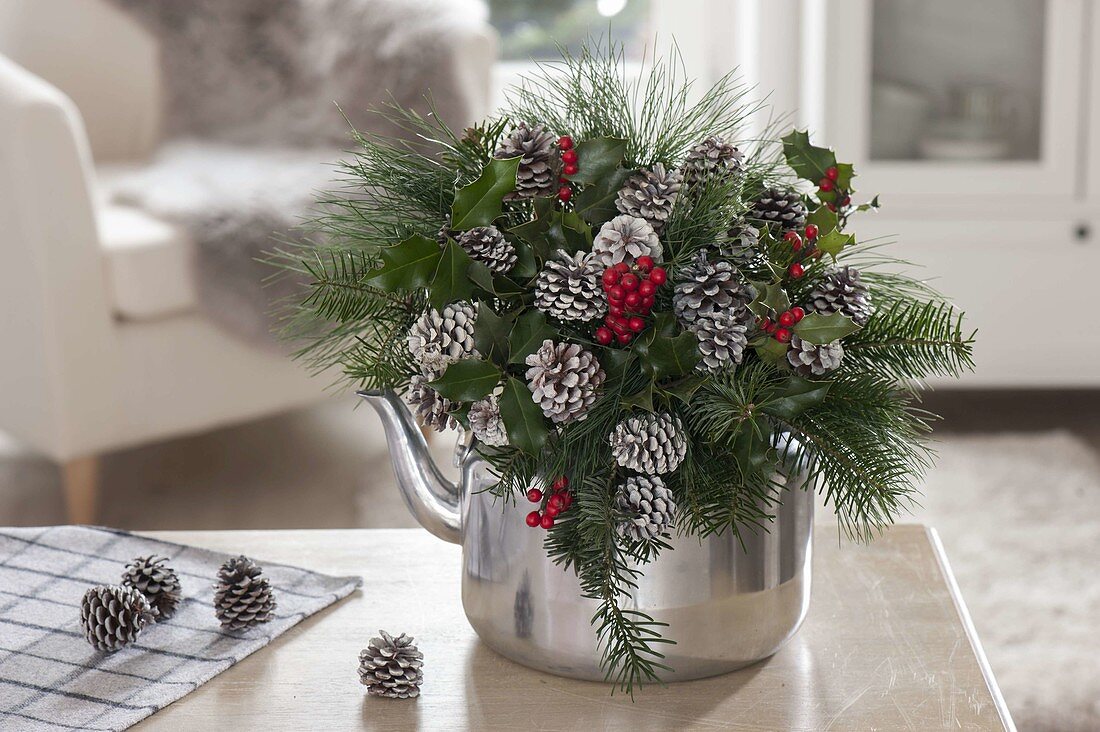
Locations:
(80, 478)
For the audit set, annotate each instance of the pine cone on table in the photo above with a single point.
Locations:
(808, 359)
(438, 338)
(569, 288)
(486, 423)
(392, 667)
(487, 245)
(648, 505)
(784, 209)
(113, 616)
(429, 407)
(650, 444)
(564, 380)
(624, 239)
(540, 163)
(713, 156)
(704, 287)
(242, 595)
(723, 338)
(157, 582)
(650, 195)
(843, 291)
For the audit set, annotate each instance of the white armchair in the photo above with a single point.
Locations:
(103, 346)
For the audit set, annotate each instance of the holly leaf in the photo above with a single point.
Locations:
(523, 418)
(798, 395)
(525, 265)
(824, 219)
(664, 356)
(833, 242)
(806, 160)
(642, 400)
(406, 266)
(770, 298)
(479, 203)
(527, 335)
(498, 285)
(615, 361)
(871, 205)
(597, 158)
(595, 203)
(845, 173)
(683, 389)
(451, 281)
(491, 334)
(770, 350)
(821, 329)
(569, 232)
(467, 380)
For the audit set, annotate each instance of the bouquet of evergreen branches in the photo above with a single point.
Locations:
(640, 315)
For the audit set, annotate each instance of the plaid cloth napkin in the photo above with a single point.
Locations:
(52, 679)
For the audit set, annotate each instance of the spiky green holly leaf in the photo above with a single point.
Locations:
(451, 281)
(525, 265)
(820, 329)
(569, 232)
(597, 158)
(479, 203)
(824, 219)
(595, 203)
(641, 400)
(406, 266)
(835, 241)
(683, 389)
(467, 380)
(498, 285)
(769, 349)
(527, 335)
(664, 355)
(796, 396)
(770, 299)
(615, 362)
(806, 160)
(523, 419)
(491, 334)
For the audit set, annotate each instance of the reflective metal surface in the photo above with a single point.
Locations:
(726, 606)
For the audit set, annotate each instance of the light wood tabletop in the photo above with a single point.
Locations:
(887, 644)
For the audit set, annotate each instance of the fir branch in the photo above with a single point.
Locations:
(911, 340)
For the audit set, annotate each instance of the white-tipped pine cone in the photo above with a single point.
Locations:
(438, 338)
(723, 338)
(113, 616)
(712, 156)
(782, 208)
(486, 423)
(242, 596)
(650, 444)
(705, 287)
(540, 163)
(568, 287)
(429, 407)
(742, 243)
(564, 379)
(808, 359)
(157, 582)
(392, 667)
(648, 505)
(650, 195)
(487, 245)
(624, 239)
(843, 291)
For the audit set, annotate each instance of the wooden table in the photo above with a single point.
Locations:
(887, 645)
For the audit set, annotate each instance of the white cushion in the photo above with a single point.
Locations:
(148, 264)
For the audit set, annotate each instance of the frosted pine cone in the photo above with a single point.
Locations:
(624, 239)
(722, 341)
(808, 359)
(429, 407)
(712, 156)
(440, 337)
(539, 160)
(487, 245)
(742, 243)
(242, 596)
(843, 291)
(710, 287)
(648, 505)
(157, 582)
(113, 617)
(391, 667)
(564, 380)
(568, 287)
(650, 195)
(783, 208)
(650, 444)
(486, 424)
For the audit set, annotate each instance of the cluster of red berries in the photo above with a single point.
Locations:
(630, 296)
(558, 502)
(780, 328)
(828, 184)
(802, 248)
(569, 167)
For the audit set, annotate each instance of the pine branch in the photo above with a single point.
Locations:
(911, 340)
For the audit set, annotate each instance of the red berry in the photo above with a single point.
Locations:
(796, 270)
(647, 303)
(783, 335)
(604, 336)
(825, 185)
(615, 310)
(786, 319)
(630, 282)
(556, 502)
(622, 267)
(645, 263)
(552, 510)
(832, 173)
(569, 156)
(647, 288)
(811, 231)
(831, 206)
(565, 193)
(560, 484)
(846, 200)
(534, 495)
(611, 276)
(637, 324)
(632, 300)
(565, 142)
(798, 313)
(624, 338)
(568, 499)
(791, 237)
(617, 326)
(547, 521)
(658, 276)
(533, 519)
(767, 326)
(616, 293)
(570, 169)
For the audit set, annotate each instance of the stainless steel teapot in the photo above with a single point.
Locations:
(727, 605)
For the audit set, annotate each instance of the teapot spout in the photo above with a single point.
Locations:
(432, 499)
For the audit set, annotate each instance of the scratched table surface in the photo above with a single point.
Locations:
(887, 644)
